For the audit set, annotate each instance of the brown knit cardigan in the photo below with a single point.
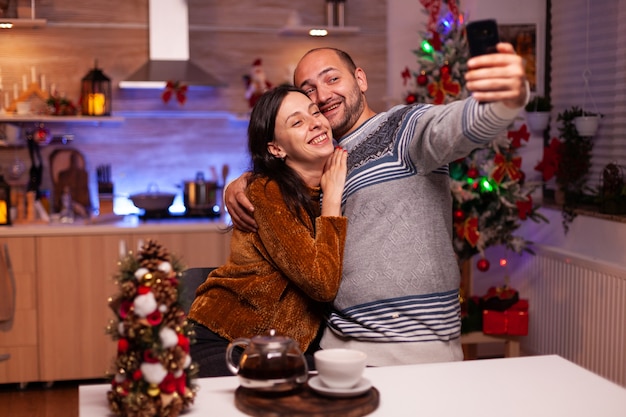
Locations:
(278, 278)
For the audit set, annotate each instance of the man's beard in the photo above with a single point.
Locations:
(354, 105)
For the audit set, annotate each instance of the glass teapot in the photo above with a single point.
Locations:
(269, 363)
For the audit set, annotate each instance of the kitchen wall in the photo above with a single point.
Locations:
(164, 142)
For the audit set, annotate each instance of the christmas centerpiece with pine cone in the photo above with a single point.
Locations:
(153, 369)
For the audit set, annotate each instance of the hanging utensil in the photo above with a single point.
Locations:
(225, 170)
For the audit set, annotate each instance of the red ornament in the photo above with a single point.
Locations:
(472, 173)
(122, 345)
(183, 342)
(459, 215)
(482, 264)
(422, 79)
(445, 70)
(410, 99)
(154, 318)
(168, 385)
(42, 135)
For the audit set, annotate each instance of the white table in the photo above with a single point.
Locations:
(534, 386)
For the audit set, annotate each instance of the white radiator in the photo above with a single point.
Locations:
(577, 311)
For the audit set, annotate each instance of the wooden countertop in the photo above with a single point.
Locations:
(116, 225)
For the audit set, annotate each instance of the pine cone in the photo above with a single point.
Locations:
(152, 254)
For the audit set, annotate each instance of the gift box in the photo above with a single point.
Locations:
(512, 321)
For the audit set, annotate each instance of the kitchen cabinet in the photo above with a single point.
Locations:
(195, 249)
(19, 338)
(75, 280)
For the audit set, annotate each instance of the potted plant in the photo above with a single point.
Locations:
(587, 123)
(612, 190)
(574, 163)
(538, 113)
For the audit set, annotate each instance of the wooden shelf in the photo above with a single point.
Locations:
(330, 30)
(43, 118)
(22, 23)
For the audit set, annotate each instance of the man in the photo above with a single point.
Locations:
(398, 299)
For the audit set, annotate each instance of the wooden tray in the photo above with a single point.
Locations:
(305, 402)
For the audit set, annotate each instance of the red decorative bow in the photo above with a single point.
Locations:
(446, 85)
(506, 167)
(516, 136)
(549, 165)
(406, 75)
(524, 207)
(435, 41)
(468, 230)
(175, 88)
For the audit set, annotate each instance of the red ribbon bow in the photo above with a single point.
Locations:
(549, 165)
(516, 136)
(468, 230)
(406, 75)
(175, 88)
(506, 167)
(438, 89)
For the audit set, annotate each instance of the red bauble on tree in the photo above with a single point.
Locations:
(473, 173)
(482, 265)
(422, 79)
(459, 215)
(410, 99)
(445, 70)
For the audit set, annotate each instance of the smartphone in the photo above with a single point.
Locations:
(482, 37)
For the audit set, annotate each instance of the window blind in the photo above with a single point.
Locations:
(589, 39)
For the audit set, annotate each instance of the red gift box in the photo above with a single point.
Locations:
(512, 321)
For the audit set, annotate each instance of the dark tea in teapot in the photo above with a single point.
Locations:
(269, 363)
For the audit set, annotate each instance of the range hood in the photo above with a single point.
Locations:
(169, 50)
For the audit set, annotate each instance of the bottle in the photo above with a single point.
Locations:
(5, 202)
(67, 211)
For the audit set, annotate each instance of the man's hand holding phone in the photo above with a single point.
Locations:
(494, 72)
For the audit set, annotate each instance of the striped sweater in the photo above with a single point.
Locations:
(398, 299)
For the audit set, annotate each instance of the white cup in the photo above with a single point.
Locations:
(23, 107)
(340, 368)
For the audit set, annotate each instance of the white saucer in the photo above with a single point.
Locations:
(317, 385)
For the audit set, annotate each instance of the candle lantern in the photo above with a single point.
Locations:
(95, 95)
(5, 202)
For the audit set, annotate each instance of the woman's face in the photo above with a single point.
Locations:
(302, 135)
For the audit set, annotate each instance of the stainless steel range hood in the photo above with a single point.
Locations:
(169, 50)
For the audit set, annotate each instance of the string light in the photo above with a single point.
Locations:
(485, 185)
(427, 47)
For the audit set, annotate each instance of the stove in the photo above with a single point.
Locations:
(189, 214)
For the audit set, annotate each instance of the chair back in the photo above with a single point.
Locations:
(191, 279)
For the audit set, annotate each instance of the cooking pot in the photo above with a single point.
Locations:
(200, 195)
(153, 200)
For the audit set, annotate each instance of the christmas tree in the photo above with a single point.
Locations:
(442, 59)
(490, 194)
(153, 369)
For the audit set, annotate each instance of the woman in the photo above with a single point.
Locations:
(283, 275)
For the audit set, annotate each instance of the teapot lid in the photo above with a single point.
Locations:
(272, 340)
